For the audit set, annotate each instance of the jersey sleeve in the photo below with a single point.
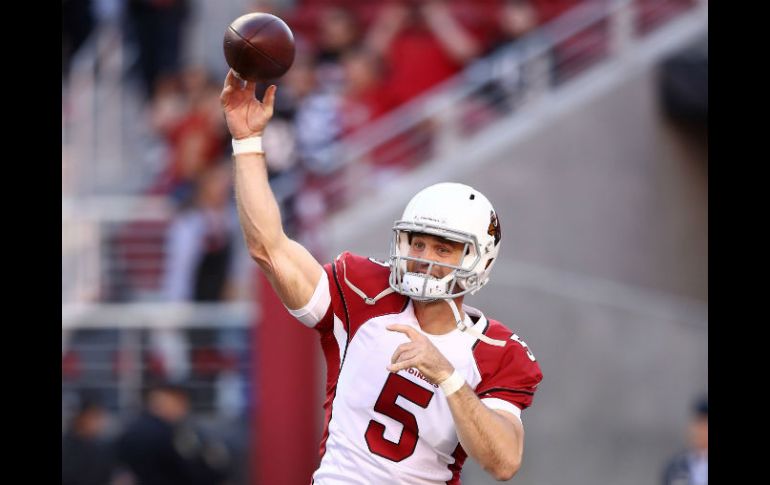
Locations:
(313, 312)
(319, 312)
(509, 375)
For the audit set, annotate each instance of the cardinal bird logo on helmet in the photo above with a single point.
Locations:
(494, 227)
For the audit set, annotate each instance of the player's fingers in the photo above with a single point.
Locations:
(269, 99)
(227, 92)
(233, 80)
(408, 331)
(400, 350)
(410, 355)
(405, 346)
(229, 79)
(404, 364)
(394, 358)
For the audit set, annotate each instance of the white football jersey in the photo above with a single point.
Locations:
(385, 428)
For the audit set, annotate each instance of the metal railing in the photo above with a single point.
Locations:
(105, 242)
(118, 350)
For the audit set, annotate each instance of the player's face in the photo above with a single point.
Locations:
(434, 249)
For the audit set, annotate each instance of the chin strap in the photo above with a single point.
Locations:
(472, 331)
(369, 301)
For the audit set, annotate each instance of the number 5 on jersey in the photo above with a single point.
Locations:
(394, 387)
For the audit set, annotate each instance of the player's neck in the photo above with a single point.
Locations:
(435, 317)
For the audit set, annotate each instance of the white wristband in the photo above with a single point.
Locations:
(452, 384)
(247, 145)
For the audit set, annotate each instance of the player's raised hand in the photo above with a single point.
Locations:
(245, 115)
(420, 353)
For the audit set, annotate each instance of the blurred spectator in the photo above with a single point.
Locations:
(317, 117)
(188, 114)
(199, 263)
(88, 458)
(168, 105)
(422, 44)
(516, 19)
(367, 97)
(284, 172)
(690, 467)
(206, 261)
(157, 28)
(338, 33)
(175, 95)
(200, 242)
(77, 23)
(163, 447)
(365, 94)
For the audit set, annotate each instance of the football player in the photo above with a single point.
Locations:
(417, 380)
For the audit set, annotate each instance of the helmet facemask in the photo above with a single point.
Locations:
(462, 278)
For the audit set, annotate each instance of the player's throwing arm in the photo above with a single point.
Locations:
(290, 268)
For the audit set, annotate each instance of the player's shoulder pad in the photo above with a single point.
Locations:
(362, 279)
(515, 348)
(512, 367)
(366, 273)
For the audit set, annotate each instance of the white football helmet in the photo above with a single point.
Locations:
(452, 211)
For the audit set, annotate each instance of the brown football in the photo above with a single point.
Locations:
(259, 46)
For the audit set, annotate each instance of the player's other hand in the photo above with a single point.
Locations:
(245, 115)
(420, 353)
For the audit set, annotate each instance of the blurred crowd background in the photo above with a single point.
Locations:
(161, 305)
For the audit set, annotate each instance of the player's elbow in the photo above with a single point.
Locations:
(263, 252)
(263, 262)
(506, 474)
(505, 470)
(264, 257)
(259, 253)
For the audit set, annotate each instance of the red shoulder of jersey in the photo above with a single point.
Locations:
(511, 372)
(354, 279)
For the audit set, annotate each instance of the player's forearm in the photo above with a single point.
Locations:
(291, 270)
(485, 435)
(258, 212)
